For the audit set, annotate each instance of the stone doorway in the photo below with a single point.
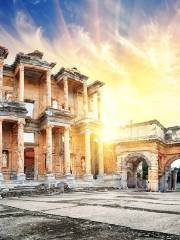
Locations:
(29, 163)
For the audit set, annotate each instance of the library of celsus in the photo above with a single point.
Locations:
(50, 124)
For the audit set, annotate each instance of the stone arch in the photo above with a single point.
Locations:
(167, 180)
(170, 160)
(138, 155)
(152, 161)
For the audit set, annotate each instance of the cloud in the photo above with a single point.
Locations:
(139, 67)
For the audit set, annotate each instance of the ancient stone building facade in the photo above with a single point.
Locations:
(151, 142)
(50, 124)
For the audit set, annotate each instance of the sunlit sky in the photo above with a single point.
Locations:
(131, 45)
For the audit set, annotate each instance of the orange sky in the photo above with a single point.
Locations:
(140, 68)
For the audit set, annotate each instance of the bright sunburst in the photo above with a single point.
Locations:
(133, 46)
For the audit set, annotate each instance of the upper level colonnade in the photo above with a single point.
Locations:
(69, 81)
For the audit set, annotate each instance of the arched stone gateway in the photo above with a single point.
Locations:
(153, 143)
(168, 177)
(128, 163)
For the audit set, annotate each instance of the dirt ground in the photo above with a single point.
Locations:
(18, 224)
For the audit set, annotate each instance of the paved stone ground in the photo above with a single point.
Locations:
(92, 215)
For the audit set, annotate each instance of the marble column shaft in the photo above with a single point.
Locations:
(101, 157)
(20, 139)
(21, 83)
(1, 80)
(87, 152)
(66, 95)
(85, 99)
(99, 104)
(48, 86)
(67, 158)
(49, 149)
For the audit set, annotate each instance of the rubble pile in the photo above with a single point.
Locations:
(43, 188)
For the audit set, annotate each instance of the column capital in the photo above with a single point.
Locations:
(87, 131)
(48, 73)
(67, 128)
(48, 126)
(65, 78)
(21, 67)
(21, 122)
(85, 83)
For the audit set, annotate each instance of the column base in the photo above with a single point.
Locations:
(119, 182)
(70, 180)
(1, 178)
(50, 177)
(100, 177)
(21, 177)
(88, 178)
(153, 186)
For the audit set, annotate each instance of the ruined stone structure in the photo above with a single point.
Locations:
(153, 143)
(50, 124)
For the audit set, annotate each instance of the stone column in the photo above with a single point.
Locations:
(36, 162)
(1, 80)
(101, 158)
(20, 150)
(66, 102)
(124, 179)
(85, 99)
(1, 149)
(174, 179)
(99, 104)
(67, 158)
(3, 55)
(21, 83)
(49, 159)
(88, 176)
(48, 86)
(153, 179)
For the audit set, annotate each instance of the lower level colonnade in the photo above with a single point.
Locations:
(50, 160)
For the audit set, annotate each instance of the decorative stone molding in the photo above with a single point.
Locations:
(3, 52)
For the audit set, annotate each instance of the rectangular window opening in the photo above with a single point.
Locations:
(30, 108)
(29, 137)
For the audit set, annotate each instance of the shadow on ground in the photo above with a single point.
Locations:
(16, 224)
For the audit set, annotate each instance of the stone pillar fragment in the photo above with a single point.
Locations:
(1, 149)
(20, 150)
(85, 99)
(66, 94)
(48, 86)
(21, 83)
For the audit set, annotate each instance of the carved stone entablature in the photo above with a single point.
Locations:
(56, 115)
(36, 54)
(3, 52)
(71, 73)
(12, 109)
(34, 58)
(173, 134)
(92, 88)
